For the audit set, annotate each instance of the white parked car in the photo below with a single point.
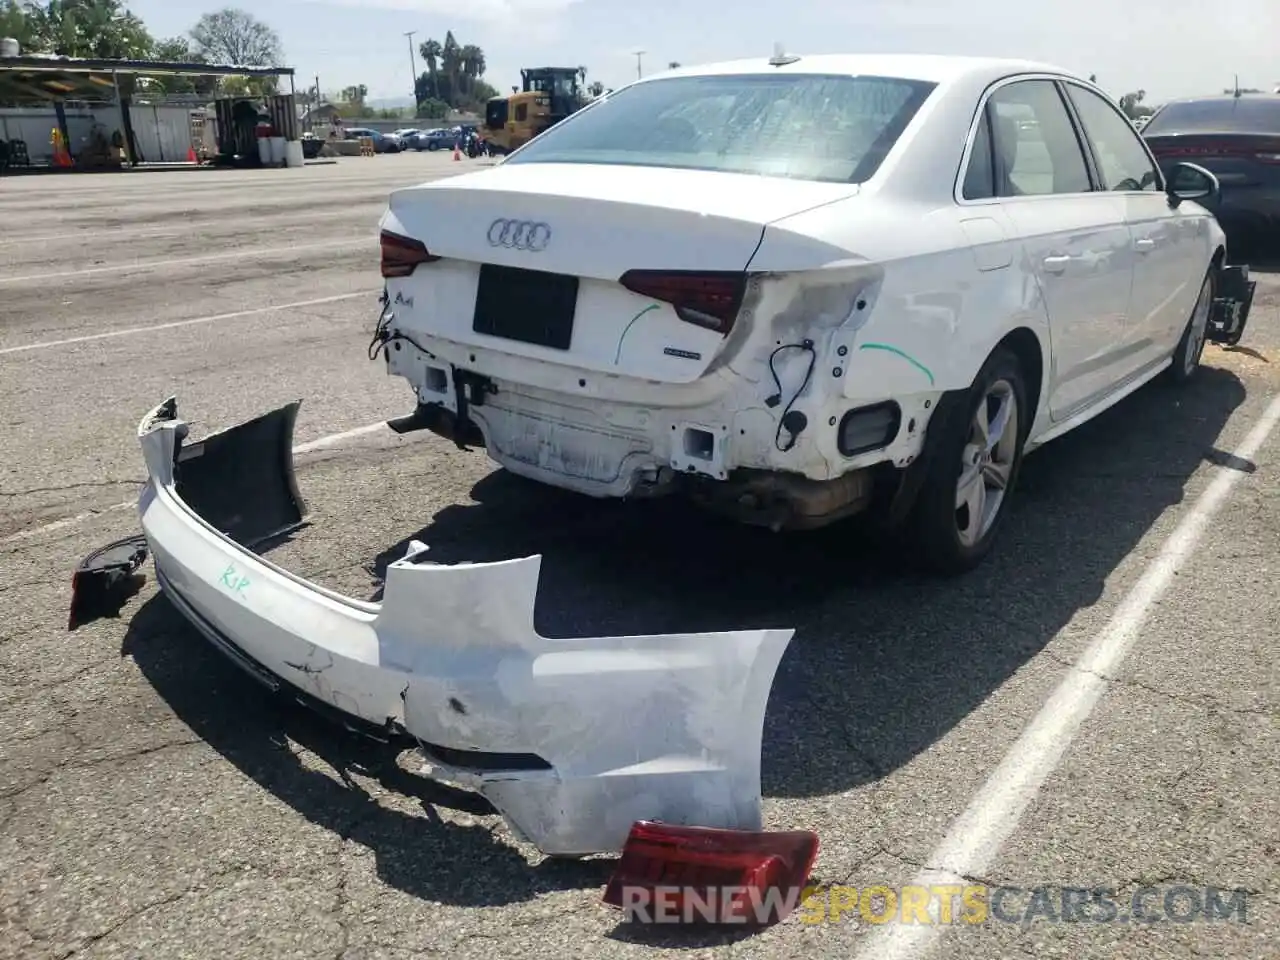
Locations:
(796, 289)
(805, 287)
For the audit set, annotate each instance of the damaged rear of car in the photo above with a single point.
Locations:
(572, 741)
(634, 303)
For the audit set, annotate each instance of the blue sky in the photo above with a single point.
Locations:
(1170, 47)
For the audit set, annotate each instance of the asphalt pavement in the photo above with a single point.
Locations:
(154, 803)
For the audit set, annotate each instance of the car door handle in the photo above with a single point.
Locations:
(1056, 264)
(1144, 245)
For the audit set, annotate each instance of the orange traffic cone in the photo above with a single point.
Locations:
(457, 154)
(191, 155)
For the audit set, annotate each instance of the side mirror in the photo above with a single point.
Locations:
(1190, 181)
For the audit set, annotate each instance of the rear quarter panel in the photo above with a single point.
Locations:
(950, 284)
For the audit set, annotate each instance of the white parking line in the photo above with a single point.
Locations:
(329, 442)
(288, 249)
(338, 439)
(213, 318)
(994, 812)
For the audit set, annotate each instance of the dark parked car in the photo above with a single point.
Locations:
(1237, 139)
(381, 142)
(436, 140)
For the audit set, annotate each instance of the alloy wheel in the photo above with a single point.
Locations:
(1199, 328)
(987, 462)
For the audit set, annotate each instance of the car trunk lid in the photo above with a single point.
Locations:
(530, 260)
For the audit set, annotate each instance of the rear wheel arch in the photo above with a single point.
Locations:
(932, 514)
(1024, 343)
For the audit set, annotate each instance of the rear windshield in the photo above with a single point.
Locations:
(1245, 114)
(804, 127)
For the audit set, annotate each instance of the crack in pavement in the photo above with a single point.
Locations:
(71, 486)
(21, 632)
(1203, 701)
(919, 865)
(25, 691)
(133, 915)
(67, 764)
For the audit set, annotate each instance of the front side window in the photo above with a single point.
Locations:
(1036, 149)
(1122, 160)
(808, 127)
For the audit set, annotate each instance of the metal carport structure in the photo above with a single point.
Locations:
(37, 79)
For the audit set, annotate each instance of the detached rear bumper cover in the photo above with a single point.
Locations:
(571, 740)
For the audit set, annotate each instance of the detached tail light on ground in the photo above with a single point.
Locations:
(402, 255)
(698, 875)
(709, 300)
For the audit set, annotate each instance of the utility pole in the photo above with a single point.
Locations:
(638, 55)
(413, 68)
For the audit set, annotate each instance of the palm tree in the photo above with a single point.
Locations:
(471, 62)
(451, 64)
(431, 50)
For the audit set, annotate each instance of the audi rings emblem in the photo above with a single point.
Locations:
(519, 235)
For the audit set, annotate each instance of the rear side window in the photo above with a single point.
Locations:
(1122, 160)
(808, 127)
(1037, 152)
(979, 179)
(1036, 149)
(1251, 113)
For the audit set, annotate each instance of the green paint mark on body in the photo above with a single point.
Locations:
(904, 355)
(232, 581)
(627, 329)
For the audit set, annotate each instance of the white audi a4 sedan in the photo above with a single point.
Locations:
(799, 288)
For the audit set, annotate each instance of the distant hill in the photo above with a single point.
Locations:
(390, 103)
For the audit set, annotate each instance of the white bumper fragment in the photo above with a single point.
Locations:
(571, 740)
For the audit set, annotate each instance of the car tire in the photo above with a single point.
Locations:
(1186, 356)
(948, 539)
(432, 147)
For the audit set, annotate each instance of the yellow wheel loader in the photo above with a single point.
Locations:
(549, 95)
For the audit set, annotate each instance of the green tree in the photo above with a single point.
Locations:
(85, 28)
(355, 95)
(451, 64)
(15, 23)
(431, 50)
(178, 50)
(236, 37)
(454, 76)
(473, 66)
(432, 109)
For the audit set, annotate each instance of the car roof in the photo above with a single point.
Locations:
(929, 67)
(1225, 99)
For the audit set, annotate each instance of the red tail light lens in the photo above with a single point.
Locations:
(689, 875)
(1267, 153)
(710, 300)
(402, 255)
